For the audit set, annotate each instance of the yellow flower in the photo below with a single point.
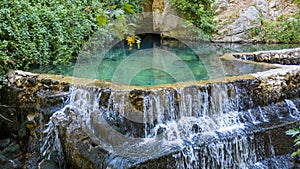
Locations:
(131, 39)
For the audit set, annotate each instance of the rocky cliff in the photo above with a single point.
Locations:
(235, 18)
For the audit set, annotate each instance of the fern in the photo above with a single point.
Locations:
(295, 133)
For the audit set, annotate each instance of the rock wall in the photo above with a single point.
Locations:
(235, 18)
(162, 19)
(81, 151)
(26, 104)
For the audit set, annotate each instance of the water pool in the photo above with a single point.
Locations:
(161, 64)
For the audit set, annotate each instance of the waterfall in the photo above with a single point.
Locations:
(52, 144)
(293, 111)
(204, 126)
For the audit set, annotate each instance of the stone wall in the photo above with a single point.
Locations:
(285, 57)
(81, 151)
(26, 104)
(28, 100)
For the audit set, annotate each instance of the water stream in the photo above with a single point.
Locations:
(202, 126)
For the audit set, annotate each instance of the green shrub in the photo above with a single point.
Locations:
(287, 31)
(298, 3)
(199, 13)
(44, 32)
(41, 33)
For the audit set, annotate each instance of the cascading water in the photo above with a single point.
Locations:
(202, 126)
(52, 144)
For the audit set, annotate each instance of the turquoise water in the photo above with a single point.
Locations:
(161, 64)
(151, 66)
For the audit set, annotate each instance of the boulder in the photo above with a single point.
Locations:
(236, 19)
(237, 31)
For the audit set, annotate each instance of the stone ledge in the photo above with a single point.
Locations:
(284, 57)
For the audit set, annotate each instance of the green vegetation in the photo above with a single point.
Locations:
(295, 133)
(286, 29)
(282, 31)
(199, 13)
(42, 32)
(297, 2)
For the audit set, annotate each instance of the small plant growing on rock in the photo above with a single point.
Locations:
(295, 133)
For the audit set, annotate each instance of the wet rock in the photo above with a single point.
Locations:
(32, 160)
(105, 95)
(26, 103)
(10, 154)
(12, 151)
(80, 151)
(48, 164)
(46, 81)
(11, 164)
(136, 98)
(32, 82)
(66, 88)
(5, 143)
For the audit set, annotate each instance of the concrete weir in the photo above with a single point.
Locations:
(230, 122)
